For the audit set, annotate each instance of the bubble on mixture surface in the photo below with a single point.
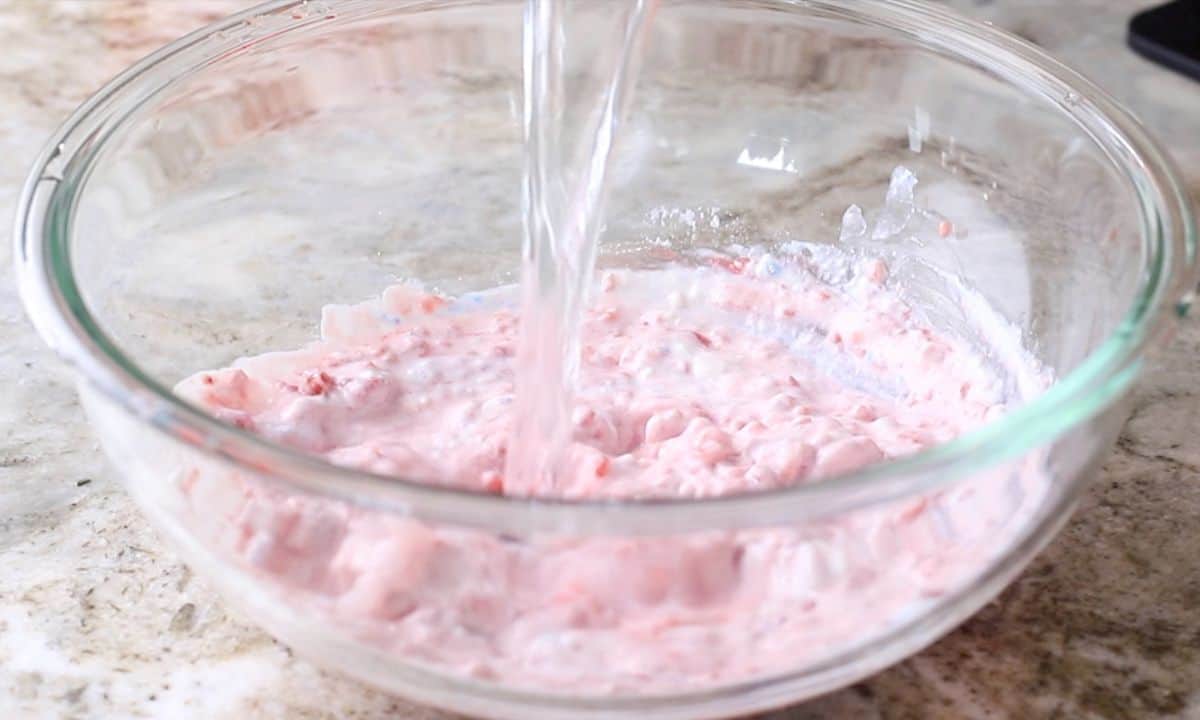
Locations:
(828, 263)
(767, 266)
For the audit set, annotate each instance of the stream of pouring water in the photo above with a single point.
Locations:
(564, 192)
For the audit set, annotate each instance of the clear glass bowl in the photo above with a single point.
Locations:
(208, 202)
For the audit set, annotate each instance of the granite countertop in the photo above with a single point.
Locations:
(99, 620)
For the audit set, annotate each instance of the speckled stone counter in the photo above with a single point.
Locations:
(99, 620)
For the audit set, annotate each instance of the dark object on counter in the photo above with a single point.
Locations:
(1169, 35)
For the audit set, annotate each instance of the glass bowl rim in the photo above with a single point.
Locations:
(47, 287)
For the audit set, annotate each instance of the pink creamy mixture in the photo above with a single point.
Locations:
(742, 374)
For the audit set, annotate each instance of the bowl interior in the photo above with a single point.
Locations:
(324, 163)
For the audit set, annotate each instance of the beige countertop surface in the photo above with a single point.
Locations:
(99, 620)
